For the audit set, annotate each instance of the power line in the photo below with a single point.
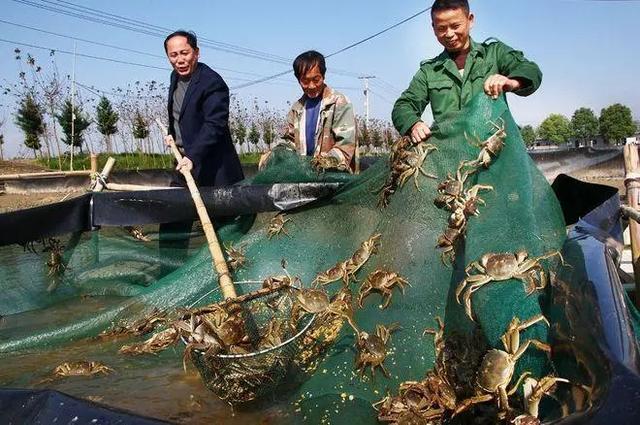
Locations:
(147, 29)
(351, 46)
(115, 47)
(83, 55)
(357, 43)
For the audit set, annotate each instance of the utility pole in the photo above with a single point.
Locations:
(366, 96)
(73, 105)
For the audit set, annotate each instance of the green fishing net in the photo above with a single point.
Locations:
(109, 277)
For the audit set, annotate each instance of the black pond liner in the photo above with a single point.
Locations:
(599, 318)
(92, 210)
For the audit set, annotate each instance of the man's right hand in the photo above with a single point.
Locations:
(420, 132)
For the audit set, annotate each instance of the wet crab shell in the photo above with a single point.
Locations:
(495, 370)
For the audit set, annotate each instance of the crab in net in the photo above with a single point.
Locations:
(497, 267)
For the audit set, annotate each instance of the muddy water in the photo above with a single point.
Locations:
(149, 385)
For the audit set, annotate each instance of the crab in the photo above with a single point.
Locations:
(274, 334)
(226, 323)
(138, 327)
(411, 163)
(498, 366)
(447, 241)
(321, 163)
(81, 368)
(382, 281)
(335, 273)
(362, 254)
(137, 233)
(55, 263)
(491, 147)
(276, 225)
(471, 200)
(535, 390)
(235, 256)
(451, 190)
(372, 348)
(158, 342)
(500, 267)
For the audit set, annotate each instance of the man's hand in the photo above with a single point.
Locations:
(420, 132)
(168, 139)
(496, 84)
(185, 164)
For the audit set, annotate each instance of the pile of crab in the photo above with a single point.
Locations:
(461, 201)
(443, 394)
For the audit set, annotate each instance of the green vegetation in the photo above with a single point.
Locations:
(616, 123)
(528, 135)
(128, 161)
(584, 125)
(556, 129)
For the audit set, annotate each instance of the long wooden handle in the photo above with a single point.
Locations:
(217, 257)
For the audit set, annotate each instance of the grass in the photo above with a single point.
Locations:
(127, 161)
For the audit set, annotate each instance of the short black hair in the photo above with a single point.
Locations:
(306, 61)
(192, 40)
(440, 5)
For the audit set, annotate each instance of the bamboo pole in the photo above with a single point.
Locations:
(122, 186)
(94, 163)
(632, 183)
(217, 257)
(104, 174)
(47, 174)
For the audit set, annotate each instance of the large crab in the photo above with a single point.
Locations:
(362, 254)
(471, 200)
(142, 326)
(322, 163)
(335, 273)
(411, 163)
(382, 281)
(137, 233)
(491, 147)
(276, 225)
(372, 348)
(498, 366)
(500, 267)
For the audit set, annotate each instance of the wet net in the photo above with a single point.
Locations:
(109, 277)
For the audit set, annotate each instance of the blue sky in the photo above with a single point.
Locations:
(587, 49)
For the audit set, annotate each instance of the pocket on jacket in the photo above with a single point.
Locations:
(441, 93)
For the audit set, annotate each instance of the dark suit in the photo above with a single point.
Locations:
(206, 139)
(204, 126)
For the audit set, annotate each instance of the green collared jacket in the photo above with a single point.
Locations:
(438, 81)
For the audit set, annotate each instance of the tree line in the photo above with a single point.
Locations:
(614, 124)
(121, 120)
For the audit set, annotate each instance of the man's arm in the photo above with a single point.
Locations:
(215, 109)
(344, 130)
(408, 109)
(515, 67)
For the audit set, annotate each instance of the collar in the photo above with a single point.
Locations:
(328, 98)
(477, 50)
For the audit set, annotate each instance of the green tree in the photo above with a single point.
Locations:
(106, 120)
(140, 129)
(79, 125)
(616, 123)
(30, 120)
(555, 128)
(584, 125)
(254, 134)
(528, 135)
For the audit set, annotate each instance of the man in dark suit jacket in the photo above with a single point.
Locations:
(199, 114)
(199, 123)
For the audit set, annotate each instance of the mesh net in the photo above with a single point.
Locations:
(108, 277)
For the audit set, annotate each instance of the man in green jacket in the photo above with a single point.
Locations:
(462, 70)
